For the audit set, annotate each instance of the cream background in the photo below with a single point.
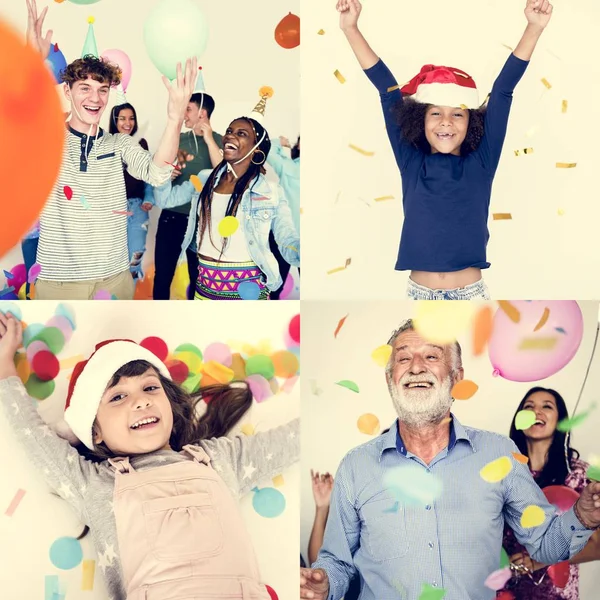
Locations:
(329, 427)
(538, 254)
(41, 517)
(241, 56)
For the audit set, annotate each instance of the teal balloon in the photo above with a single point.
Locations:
(174, 31)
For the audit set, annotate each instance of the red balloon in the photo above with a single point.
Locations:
(561, 496)
(45, 365)
(179, 370)
(287, 32)
(272, 593)
(157, 346)
(294, 329)
(560, 574)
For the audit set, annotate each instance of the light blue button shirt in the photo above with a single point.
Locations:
(452, 543)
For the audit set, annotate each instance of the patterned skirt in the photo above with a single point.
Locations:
(230, 281)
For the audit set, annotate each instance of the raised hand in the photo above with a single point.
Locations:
(314, 584)
(538, 12)
(349, 12)
(11, 338)
(322, 486)
(587, 507)
(285, 143)
(181, 92)
(35, 38)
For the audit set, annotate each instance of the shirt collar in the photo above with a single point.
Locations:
(81, 135)
(260, 187)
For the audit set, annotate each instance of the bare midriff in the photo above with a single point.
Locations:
(446, 281)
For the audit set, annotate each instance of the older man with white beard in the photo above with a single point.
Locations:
(452, 541)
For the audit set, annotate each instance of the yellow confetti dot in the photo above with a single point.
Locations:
(496, 470)
(238, 366)
(228, 226)
(87, 577)
(193, 361)
(532, 516)
(321, 32)
(502, 216)
(541, 343)
(368, 424)
(218, 372)
(546, 83)
(247, 429)
(561, 165)
(381, 355)
(23, 367)
(464, 390)
(339, 76)
(464, 107)
(382, 198)
(360, 150)
(440, 321)
(565, 105)
(528, 150)
(278, 481)
(195, 180)
(561, 212)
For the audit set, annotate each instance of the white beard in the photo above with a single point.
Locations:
(420, 407)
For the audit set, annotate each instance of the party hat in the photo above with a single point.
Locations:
(200, 89)
(120, 98)
(89, 46)
(258, 112)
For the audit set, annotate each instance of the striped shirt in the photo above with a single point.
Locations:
(451, 543)
(81, 236)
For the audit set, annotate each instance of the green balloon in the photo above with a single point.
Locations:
(189, 348)
(504, 560)
(174, 31)
(38, 389)
(260, 365)
(52, 337)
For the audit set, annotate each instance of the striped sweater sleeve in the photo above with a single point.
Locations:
(140, 164)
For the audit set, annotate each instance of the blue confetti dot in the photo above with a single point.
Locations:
(249, 290)
(12, 308)
(268, 502)
(66, 553)
(63, 310)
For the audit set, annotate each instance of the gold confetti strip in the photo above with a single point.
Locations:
(502, 216)
(88, 571)
(464, 107)
(524, 151)
(566, 165)
(338, 269)
(360, 150)
(67, 363)
(321, 32)
(394, 87)
(547, 343)
(565, 104)
(293, 248)
(543, 320)
(382, 198)
(339, 76)
(278, 481)
(546, 83)
(512, 312)
(508, 47)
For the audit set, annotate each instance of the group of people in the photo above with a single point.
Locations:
(84, 244)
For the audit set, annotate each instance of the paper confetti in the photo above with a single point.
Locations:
(84, 202)
(525, 419)
(6, 290)
(524, 151)
(560, 330)
(360, 150)
(278, 481)
(498, 579)
(392, 88)
(67, 363)
(496, 470)
(383, 198)
(593, 473)
(338, 269)
(34, 273)
(392, 509)
(268, 502)
(348, 384)
(543, 320)
(340, 325)
(339, 76)
(381, 355)
(546, 83)
(195, 181)
(464, 390)
(247, 429)
(8, 275)
(314, 388)
(561, 212)
(561, 165)
(545, 343)
(51, 587)
(368, 423)
(508, 47)
(412, 484)
(321, 32)
(464, 107)
(68, 192)
(431, 593)
(502, 216)
(10, 511)
(124, 213)
(87, 577)
(532, 516)
(521, 458)
(228, 226)
(482, 329)
(569, 424)
(565, 104)
(511, 311)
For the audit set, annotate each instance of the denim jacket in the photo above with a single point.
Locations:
(263, 207)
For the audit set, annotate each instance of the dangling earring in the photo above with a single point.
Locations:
(567, 452)
(262, 162)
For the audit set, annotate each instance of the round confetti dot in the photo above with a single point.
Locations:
(368, 424)
(441, 322)
(294, 329)
(63, 310)
(178, 370)
(192, 360)
(45, 365)
(66, 553)
(247, 429)
(102, 295)
(498, 579)
(192, 383)
(52, 337)
(238, 365)
(218, 352)
(268, 502)
(10, 307)
(381, 355)
(220, 373)
(63, 324)
(272, 593)
(249, 290)
(157, 346)
(496, 470)
(259, 386)
(30, 332)
(561, 496)
(189, 348)
(228, 226)
(504, 559)
(260, 365)
(38, 389)
(520, 458)
(525, 419)
(34, 348)
(464, 390)
(532, 516)
(23, 367)
(411, 484)
(286, 364)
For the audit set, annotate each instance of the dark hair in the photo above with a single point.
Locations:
(555, 469)
(296, 149)
(410, 115)
(89, 66)
(114, 115)
(227, 406)
(207, 103)
(249, 177)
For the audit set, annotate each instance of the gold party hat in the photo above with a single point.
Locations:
(258, 113)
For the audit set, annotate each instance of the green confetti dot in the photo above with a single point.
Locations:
(38, 389)
(429, 592)
(191, 384)
(568, 424)
(260, 365)
(348, 384)
(504, 559)
(593, 473)
(525, 419)
(52, 337)
(189, 348)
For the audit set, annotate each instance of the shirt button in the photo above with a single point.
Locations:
(248, 217)
(434, 584)
(266, 215)
(572, 528)
(428, 507)
(431, 544)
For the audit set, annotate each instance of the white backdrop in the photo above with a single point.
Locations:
(41, 517)
(329, 424)
(241, 56)
(537, 254)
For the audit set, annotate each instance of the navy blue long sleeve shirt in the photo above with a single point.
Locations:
(446, 198)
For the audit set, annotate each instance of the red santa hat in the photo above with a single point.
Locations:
(88, 384)
(443, 86)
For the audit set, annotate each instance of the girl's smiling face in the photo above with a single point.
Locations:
(543, 405)
(134, 416)
(446, 128)
(125, 121)
(238, 140)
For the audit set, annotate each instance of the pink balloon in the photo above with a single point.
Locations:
(561, 496)
(560, 328)
(121, 59)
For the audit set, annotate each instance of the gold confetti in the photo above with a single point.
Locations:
(517, 153)
(87, 578)
(464, 107)
(293, 248)
(543, 320)
(195, 181)
(278, 481)
(321, 32)
(532, 516)
(546, 83)
(546, 343)
(512, 312)
(339, 76)
(382, 198)
(247, 429)
(338, 269)
(524, 151)
(364, 152)
(565, 104)
(394, 87)
(368, 424)
(508, 47)
(502, 216)
(566, 165)
(67, 363)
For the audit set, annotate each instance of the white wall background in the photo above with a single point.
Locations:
(329, 427)
(41, 517)
(241, 56)
(538, 254)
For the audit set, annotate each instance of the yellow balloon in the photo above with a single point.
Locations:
(532, 516)
(441, 321)
(228, 226)
(180, 282)
(368, 424)
(381, 355)
(496, 470)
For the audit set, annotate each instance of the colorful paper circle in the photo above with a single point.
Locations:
(260, 365)
(66, 553)
(45, 365)
(268, 502)
(157, 346)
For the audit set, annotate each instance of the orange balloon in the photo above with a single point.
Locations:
(143, 289)
(29, 110)
(287, 32)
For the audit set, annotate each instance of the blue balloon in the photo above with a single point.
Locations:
(66, 553)
(58, 62)
(268, 502)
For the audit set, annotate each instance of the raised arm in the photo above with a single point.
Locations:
(538, 13)
(349, 13)
(35, 37)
